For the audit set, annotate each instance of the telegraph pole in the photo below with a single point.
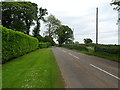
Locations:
(119, 27)
(97, 25)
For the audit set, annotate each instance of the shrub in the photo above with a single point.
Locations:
(107, 48)
(49, 39)
(44, 44)
(75, 46)
(16, 43)
(48, 44)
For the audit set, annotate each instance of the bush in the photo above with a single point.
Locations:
(107, 48)
(16, 43)
(49, 39)
(75, 46)
(44, 44)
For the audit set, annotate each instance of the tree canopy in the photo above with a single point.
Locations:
(76, 42)
(40, 16)
(49, 39)
(116, 3)
(52, 23)
(64, 34)
(87, 41)
(19, 15)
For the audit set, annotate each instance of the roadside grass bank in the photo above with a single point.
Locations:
(37, 69)
(91, 51)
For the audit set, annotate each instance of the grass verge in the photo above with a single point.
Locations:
(113, 57)
(37, 69)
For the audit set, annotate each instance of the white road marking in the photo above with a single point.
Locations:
(59, 48)
(73, 55)
(105, 71)
(64, 51)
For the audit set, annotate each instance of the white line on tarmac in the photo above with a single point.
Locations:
(64, 51)
(105, 71)
(73, 55)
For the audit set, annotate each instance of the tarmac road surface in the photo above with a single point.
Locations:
(85, 71)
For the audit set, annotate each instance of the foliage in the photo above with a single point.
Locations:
(40, 38)
(44, 44)
(75, 46)
(40, 16)
(76, 42)
(19, 16)
(16, 43)
(37, 69)
(64, 34)
(52, 23)
(107, 48)
(116, 3)
(42, 13)
(87, 41)
(49, 39)
(109, 56)
(36, 29)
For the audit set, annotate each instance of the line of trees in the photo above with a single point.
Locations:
(116, 3)
(21, 16)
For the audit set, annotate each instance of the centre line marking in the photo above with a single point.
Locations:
(64, 51)
(73, 55)
(105, 71)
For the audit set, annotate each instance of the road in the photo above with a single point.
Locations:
(85, 71)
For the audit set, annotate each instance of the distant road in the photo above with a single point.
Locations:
(85, 71)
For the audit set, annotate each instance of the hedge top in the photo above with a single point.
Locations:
(1, 27)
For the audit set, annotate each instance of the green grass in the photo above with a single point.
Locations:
(113, 57)
(37, 69)
(109, 56)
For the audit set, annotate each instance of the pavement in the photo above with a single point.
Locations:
(86, 71)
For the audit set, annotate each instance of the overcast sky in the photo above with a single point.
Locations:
(80, 15)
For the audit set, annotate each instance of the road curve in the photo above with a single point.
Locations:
(85, 71)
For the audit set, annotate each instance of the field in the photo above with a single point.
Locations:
(37, 69)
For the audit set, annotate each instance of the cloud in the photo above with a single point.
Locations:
(80, 15)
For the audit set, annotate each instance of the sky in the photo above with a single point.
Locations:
(80, 16)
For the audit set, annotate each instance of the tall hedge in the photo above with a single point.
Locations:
(16, 43)
(44, 44)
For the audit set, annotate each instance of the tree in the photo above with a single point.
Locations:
(52, 23)
(87, 41)
(40, 38)
(41, 14)
(49, 39)
(64, 34)
(76, 42)
(19, 16)
(116, 3)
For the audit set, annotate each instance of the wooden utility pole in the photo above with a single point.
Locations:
(97, 25)
(119, 27)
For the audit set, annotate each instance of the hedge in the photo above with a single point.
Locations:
(75, 46)
(16, 43)
(107, 48)
(44, 44)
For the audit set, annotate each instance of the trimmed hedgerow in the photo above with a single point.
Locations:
(75, 46)
(107, 48)
(16, 43)
(44, 44)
